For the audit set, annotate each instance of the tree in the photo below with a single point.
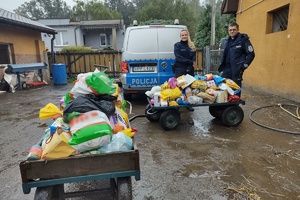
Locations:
(126, 8)
(93, 10)
(167, 10)
(202, 37)
(38, 9)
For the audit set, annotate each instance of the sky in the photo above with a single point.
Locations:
(11, 5)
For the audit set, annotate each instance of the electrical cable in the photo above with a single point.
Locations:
(272, 128)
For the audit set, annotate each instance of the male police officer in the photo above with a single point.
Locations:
(238, 55)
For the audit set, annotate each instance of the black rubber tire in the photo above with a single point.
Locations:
(47, 193)
(232, 116)
(216, 111)
(152, 116)
(169, 119)
(124, 188)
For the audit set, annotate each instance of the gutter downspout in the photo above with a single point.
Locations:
(52, 48)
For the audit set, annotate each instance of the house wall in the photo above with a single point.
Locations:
(27, 45)
(276, 67)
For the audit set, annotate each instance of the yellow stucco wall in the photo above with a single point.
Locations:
(27, 44)
(276, 67)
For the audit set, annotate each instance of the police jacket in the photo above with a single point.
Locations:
(238, 53)
(184, 56)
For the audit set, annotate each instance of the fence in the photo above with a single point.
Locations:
(84, 62)
(211, 59)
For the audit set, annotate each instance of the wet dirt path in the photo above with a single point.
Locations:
(201, 159)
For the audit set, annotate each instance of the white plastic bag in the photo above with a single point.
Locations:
(120, 142)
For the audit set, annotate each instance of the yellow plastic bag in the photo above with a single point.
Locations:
(199, 84)
(49, 111)
(165, 85)
(173, 103)
(170, 94)
(232, 84)
(56, 146)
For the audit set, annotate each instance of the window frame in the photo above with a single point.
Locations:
(105, 39)
(60, 36)
(278, 19)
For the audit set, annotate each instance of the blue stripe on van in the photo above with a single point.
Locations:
(144, 79)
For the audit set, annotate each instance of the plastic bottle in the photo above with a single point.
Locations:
(35, 152)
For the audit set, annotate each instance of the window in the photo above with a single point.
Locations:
(102, 40)
(5, 54)
(61, 38)
(278, 19)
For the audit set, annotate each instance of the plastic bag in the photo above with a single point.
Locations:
(90, 131)
(120, 142)
(165, 85)
(84, 104)
(56, 146)
(170, 94)
(80, 88)
(232, 84)
(101, 83)
(49, 111)
(172, 82)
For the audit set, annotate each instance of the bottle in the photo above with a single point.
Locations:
(35, 152)
(156, 99)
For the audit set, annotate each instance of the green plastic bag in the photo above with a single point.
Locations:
(101, 83)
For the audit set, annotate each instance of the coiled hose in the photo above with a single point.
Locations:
(276, 129)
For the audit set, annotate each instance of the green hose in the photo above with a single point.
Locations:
(272, 128)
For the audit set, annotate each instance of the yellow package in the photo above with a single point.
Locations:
(165, 86)
(199, 84)
(117, 90)
(49, 111)
(232, 84)
(129, 132)
(173, 103)
(170, 94)
(57, 146)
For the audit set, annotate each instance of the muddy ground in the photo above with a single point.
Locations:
(201, 159)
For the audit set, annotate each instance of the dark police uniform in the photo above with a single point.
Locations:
(238, 55)
(184, 59)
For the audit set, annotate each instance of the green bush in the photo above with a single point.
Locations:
(76, 49)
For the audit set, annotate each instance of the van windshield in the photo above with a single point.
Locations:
(142, 40)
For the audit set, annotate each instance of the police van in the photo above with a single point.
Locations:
(147, 56)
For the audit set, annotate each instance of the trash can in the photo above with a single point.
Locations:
(59, 74)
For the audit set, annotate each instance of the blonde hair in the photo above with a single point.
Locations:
(190, 43)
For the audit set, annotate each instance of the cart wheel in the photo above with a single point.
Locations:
(124, 188)
(47, 192)
(216, 111)
(169, 119)
(151, 115)
(232, 116)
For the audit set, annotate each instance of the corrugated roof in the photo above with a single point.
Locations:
(13, 19)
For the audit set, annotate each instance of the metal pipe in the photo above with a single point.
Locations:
(52, 48)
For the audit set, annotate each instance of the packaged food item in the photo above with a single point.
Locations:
(222, 96)
(35, 152)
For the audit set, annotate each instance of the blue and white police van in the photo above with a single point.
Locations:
(147, 56)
